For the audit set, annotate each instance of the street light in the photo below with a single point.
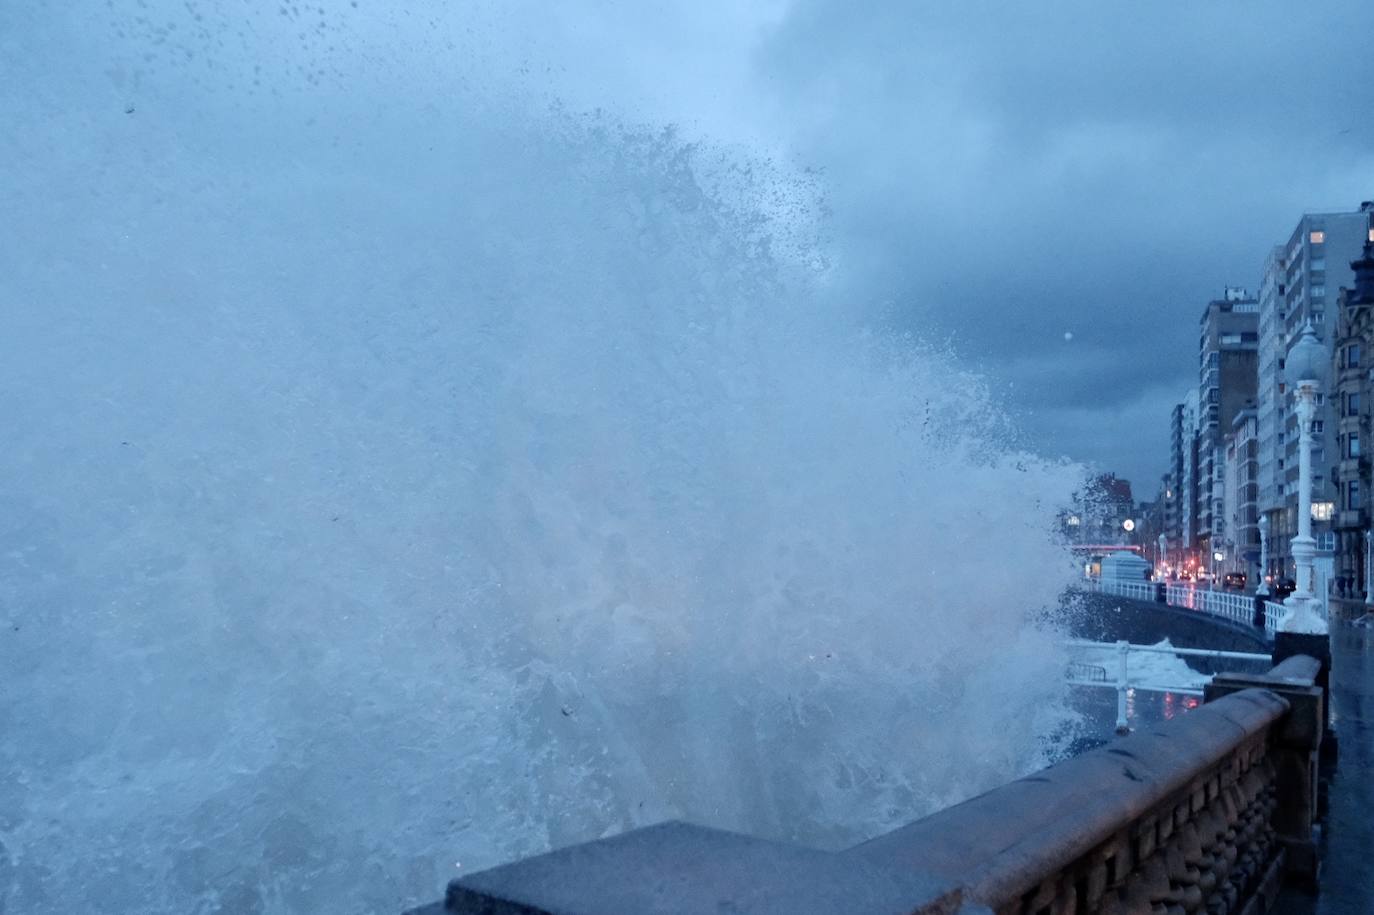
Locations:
(1263, 589)
(1369, 567)
(1307, 364)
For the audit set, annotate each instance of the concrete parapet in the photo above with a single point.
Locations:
(1159, 817)
(680, 868)
(1295, 750)
(1205, 813)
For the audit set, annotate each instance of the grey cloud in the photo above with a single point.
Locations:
(1005, 173)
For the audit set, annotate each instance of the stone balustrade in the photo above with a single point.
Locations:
(1210, 812)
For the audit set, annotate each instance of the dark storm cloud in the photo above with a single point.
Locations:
(1005, 174)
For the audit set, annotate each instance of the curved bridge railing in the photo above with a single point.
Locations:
(1237, 608)
(1209, 812)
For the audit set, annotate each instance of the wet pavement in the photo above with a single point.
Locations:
(1346, 884)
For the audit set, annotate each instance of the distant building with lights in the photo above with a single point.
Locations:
(1103, 512)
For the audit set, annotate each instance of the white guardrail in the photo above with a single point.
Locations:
(1238, 608)
(1119, 678)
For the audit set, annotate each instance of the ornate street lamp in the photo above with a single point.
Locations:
(1369, 567)
(1307, 363)
(1263, 589)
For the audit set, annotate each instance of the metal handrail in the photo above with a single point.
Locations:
(1122, 683)
(1238, 608)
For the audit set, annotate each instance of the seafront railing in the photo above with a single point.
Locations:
(1236, 608)
(1082, 673)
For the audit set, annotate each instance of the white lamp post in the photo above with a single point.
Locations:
(1369, 567)
(1263, 589)
(1307, 363)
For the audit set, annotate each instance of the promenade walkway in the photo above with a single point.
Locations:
(1347, 875)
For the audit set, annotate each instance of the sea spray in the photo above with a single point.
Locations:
(464, 489)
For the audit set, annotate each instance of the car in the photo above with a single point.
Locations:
(1233, 581)
(1284, 587)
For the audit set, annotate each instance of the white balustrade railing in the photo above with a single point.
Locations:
(1115, 671)
(1237, 608)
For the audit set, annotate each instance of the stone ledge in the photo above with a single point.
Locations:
(1002, 843)
(683, 869)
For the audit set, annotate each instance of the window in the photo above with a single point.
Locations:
(1230, 339)
(1318, 317)
(1318, 292)
(1322, 511)
(1352, 356)
(1352, 495)
(1352, 445)
(1318, 263)
(1320, 399)
(1352, 404)
(1318, 427)
(1317, 236)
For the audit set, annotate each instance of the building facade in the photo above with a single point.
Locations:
(1240, 548)
(1228, 353)
(1314, 264)
(1180, 431)
(1352, 387)
(1187, 483)
(1270, 390)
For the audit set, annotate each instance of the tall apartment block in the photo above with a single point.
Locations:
(1352, 389)
(1269, 412)
(1188, 485)
(1299, 285)
(1241, 485)
(1228, 353)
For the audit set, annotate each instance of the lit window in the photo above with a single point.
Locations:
(1371, 234)
(1317, 237)
(1322, 511)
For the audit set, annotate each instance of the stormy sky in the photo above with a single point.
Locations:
(1053, 190)
(1002, 175)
